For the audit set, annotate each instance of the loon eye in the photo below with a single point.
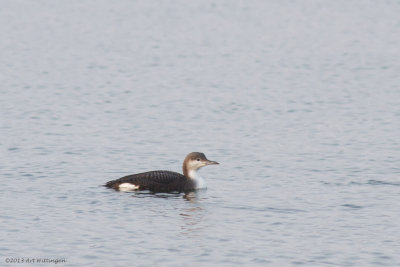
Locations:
(198, 159)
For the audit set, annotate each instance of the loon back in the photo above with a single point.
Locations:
(156, 181)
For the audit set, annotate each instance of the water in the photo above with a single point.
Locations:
(298, 100)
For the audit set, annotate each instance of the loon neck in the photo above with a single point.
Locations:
(191, 174)
(200, 183)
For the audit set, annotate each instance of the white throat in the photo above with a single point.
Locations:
(200, 182)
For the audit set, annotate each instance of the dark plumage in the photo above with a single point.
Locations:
(165, 181)
(156, 181)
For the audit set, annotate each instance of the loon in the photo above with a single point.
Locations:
(166, 181)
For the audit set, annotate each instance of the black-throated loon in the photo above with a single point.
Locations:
(166, 181)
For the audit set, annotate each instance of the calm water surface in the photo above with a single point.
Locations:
(298, 100)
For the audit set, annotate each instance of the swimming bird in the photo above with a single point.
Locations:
(166, 181)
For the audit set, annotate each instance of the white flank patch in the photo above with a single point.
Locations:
(127, 187)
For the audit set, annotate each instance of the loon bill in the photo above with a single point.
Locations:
(166, 181)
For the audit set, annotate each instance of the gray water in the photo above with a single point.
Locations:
(298, 100)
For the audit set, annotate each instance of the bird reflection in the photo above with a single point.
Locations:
(191, 197)
(192, 216)
(191, 212)
(149, 194)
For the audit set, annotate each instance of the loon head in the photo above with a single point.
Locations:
(193, 162)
